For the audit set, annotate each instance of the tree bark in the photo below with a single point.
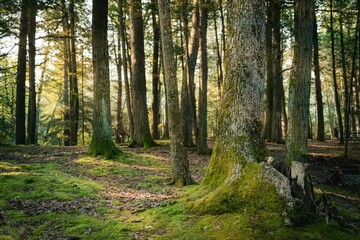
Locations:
(21, 75)
(276, 126)
(74, 92)
(101, 142)
(201, 142)
(181, 172)
(336, 92)
(125, 67)
(155, 73)
(319, 102)
(142, 136)
(31, 119)
(300, 80)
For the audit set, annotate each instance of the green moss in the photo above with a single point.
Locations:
(245, 193)
(107, 149)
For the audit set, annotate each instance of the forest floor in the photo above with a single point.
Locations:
(61, 193)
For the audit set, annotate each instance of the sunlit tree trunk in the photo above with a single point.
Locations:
(181, 173)
(21, 75)
(101, 142)
(31, 119)
(142, 136)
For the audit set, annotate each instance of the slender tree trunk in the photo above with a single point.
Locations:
(191, 43)
(125, 67)
(120, 133)
(101, 142)
(31, 119)
(276, 127)
(66, 43)
(155, 73)
(21, 75)
(82, 99)
(142, 136)
(319, 102)
(202, 147)
(269, 69)
(181, 172)
(350, 89)
(219, 70)
(336, 92)
(74, 92)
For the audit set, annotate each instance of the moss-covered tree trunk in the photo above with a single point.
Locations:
(180, 162)
(142, 136)
(101, 142)
(239, 143)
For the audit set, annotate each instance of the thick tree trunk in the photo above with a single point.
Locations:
(319, 102)
(239, 142)
(31, 119)
(125, 68)
(336, 92)
(299, 103)
(101, 142)
(201, 142)
(74, 92)
(181, 173)
(142, 136)
(21, 75)
(155, 73)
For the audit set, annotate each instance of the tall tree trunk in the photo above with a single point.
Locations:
(74, 92)
(299, 103)
(336, 92)
(239, 143)
(125, 67)
(155, 73)
(201, 142)
(31, 119)
(269, 69)
(188, 102)
(319, 102)
(348, 102)
(181, 172)
(21, 75)
(66, 43)
(101, 142)
(142, 136)
(120, 133)
(276, 126)
(219, 70)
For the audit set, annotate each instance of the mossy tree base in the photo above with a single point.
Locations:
(147, 143)
(106, 148)
(250, 192)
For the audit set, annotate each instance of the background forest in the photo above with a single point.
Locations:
(57, 67)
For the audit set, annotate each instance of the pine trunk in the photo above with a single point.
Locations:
(320, 109)
(142, 136)
(31, 119)
(181, 172)
(21, 75)
(101, 142)
(201, 142)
